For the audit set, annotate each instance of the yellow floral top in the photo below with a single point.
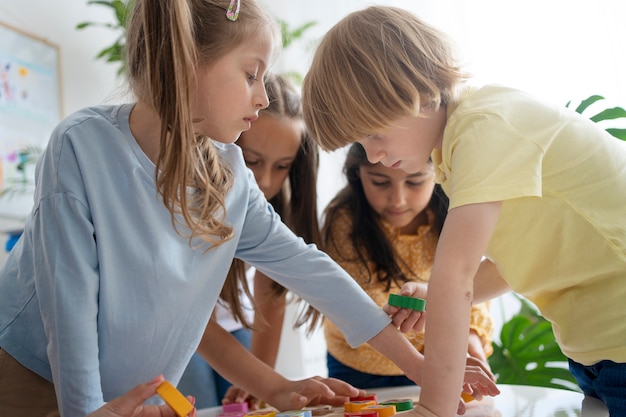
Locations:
(417, 251)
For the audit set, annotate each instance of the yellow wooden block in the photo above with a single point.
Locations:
(174, 399)
(382, 409)
(261, 413)
(357, 405)
(466, 397)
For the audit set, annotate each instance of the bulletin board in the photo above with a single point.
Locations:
(30, 107)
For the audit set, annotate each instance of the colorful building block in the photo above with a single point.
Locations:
(357, 405)
(174, 399)
(403, 301)
(383, 410)
(401, 404)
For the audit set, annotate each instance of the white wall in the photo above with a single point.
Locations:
(557, 49)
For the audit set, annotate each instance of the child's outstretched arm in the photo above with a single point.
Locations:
(239, 366)
(463, 242)
(268, 325)
(391, 343)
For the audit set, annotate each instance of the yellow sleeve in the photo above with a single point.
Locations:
(340, 248)
(482, 323)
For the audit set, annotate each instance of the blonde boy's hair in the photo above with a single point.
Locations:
(373, 67)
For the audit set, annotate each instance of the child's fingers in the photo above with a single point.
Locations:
(298, 400)
(192, 400)
(235, 395)
(341, 388)
(409, 288)
(473, 361)
(406, 320)
(400, 317)
(390, 310)
(136, 396)
(414, 289)
(411, 322)
(461, 409)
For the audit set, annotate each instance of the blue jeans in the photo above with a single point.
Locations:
(363, 380)
(605, 380)
(201, 381)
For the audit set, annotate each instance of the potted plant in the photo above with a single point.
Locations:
(115, 52)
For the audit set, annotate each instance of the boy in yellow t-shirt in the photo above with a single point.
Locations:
(538, 190)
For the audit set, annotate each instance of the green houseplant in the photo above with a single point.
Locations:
(606, 114)
(26, 158)
(114, 53)
(528, 354)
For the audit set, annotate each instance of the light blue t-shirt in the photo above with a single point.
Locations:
(101, 293)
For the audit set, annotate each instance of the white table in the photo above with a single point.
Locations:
(514, 401)
(519, 401)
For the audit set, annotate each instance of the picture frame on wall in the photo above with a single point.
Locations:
(30, 107)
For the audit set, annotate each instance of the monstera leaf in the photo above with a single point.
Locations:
(612, 113)
(528, 353)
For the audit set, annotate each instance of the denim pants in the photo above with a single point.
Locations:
(363, 380)
(605, 380)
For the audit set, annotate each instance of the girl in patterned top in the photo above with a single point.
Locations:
(383, 228)
(284, 160)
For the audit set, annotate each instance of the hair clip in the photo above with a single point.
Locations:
(232, 13)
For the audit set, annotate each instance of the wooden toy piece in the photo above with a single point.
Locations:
(366, 397)
(401, 404)
(383, 410)
(403, 301)
(361, 413)
(335, 412)
(467, 397)
(232, 414)
(320, 410)
(174, 399)
(295, 413)
(235, 407)
(261, 413)
(357, 405)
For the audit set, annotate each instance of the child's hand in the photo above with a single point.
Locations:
(294, 395)
(403, 318)
(130, 404)
(478, 381)
(237, 395)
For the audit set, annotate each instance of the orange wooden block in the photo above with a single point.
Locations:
(174, 399)
(357, 405)
(467, 397)
(383, 410)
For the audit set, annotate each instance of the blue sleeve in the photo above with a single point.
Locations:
(269, 245)
(67, 280)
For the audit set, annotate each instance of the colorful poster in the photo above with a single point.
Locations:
(30, 107)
